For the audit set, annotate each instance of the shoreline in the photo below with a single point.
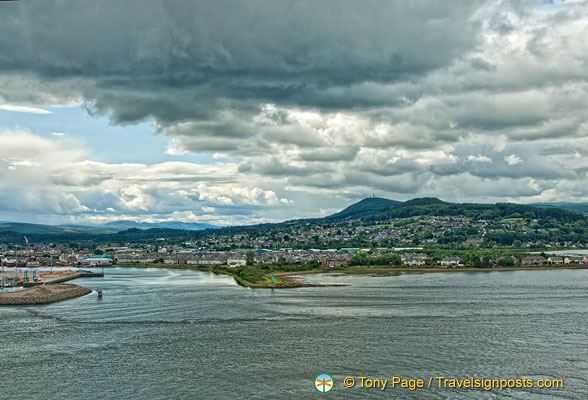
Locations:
(284, 283)
(360, 270)
(287, 280)
(432, 270)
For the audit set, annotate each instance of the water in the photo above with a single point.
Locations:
(569, 252)
(10, 289)
(176, 334)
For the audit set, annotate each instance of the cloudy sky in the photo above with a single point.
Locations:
(232, 112)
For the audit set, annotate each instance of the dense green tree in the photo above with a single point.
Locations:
(250, 258)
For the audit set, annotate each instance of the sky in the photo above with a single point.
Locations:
(229, 112)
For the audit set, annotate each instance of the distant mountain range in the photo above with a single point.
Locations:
(25, 228)
(111, 227)
(186, 226)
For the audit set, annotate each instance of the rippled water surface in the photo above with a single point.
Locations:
(175, 334)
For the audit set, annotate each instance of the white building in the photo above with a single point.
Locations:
(236, 262)
(450, 261)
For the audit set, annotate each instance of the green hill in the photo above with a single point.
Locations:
(581, 208)
(364, 207)
(490, 212)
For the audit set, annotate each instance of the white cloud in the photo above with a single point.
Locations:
(173, 148)
(480, 158)
(56, 180)
(13, 163)
(23, 109)
(513, 159)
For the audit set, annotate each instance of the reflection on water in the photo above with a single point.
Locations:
(187, 334)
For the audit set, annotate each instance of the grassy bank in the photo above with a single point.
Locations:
(265, 282)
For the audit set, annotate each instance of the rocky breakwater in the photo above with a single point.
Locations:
(44, 294)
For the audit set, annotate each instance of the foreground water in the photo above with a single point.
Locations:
(171, 334)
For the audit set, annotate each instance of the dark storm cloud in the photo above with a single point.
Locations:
(152, 58)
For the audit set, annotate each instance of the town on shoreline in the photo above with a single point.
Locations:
(422, 233)
(255, 267)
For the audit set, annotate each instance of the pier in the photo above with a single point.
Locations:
(69, 277)
(43, 295)
(28, 279)
(49, 288)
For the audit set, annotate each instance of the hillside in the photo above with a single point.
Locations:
(369, 222)
(581, 208)
(364, 207)
(490, 212)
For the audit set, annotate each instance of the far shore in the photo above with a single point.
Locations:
(285, 283)
(287, 280)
